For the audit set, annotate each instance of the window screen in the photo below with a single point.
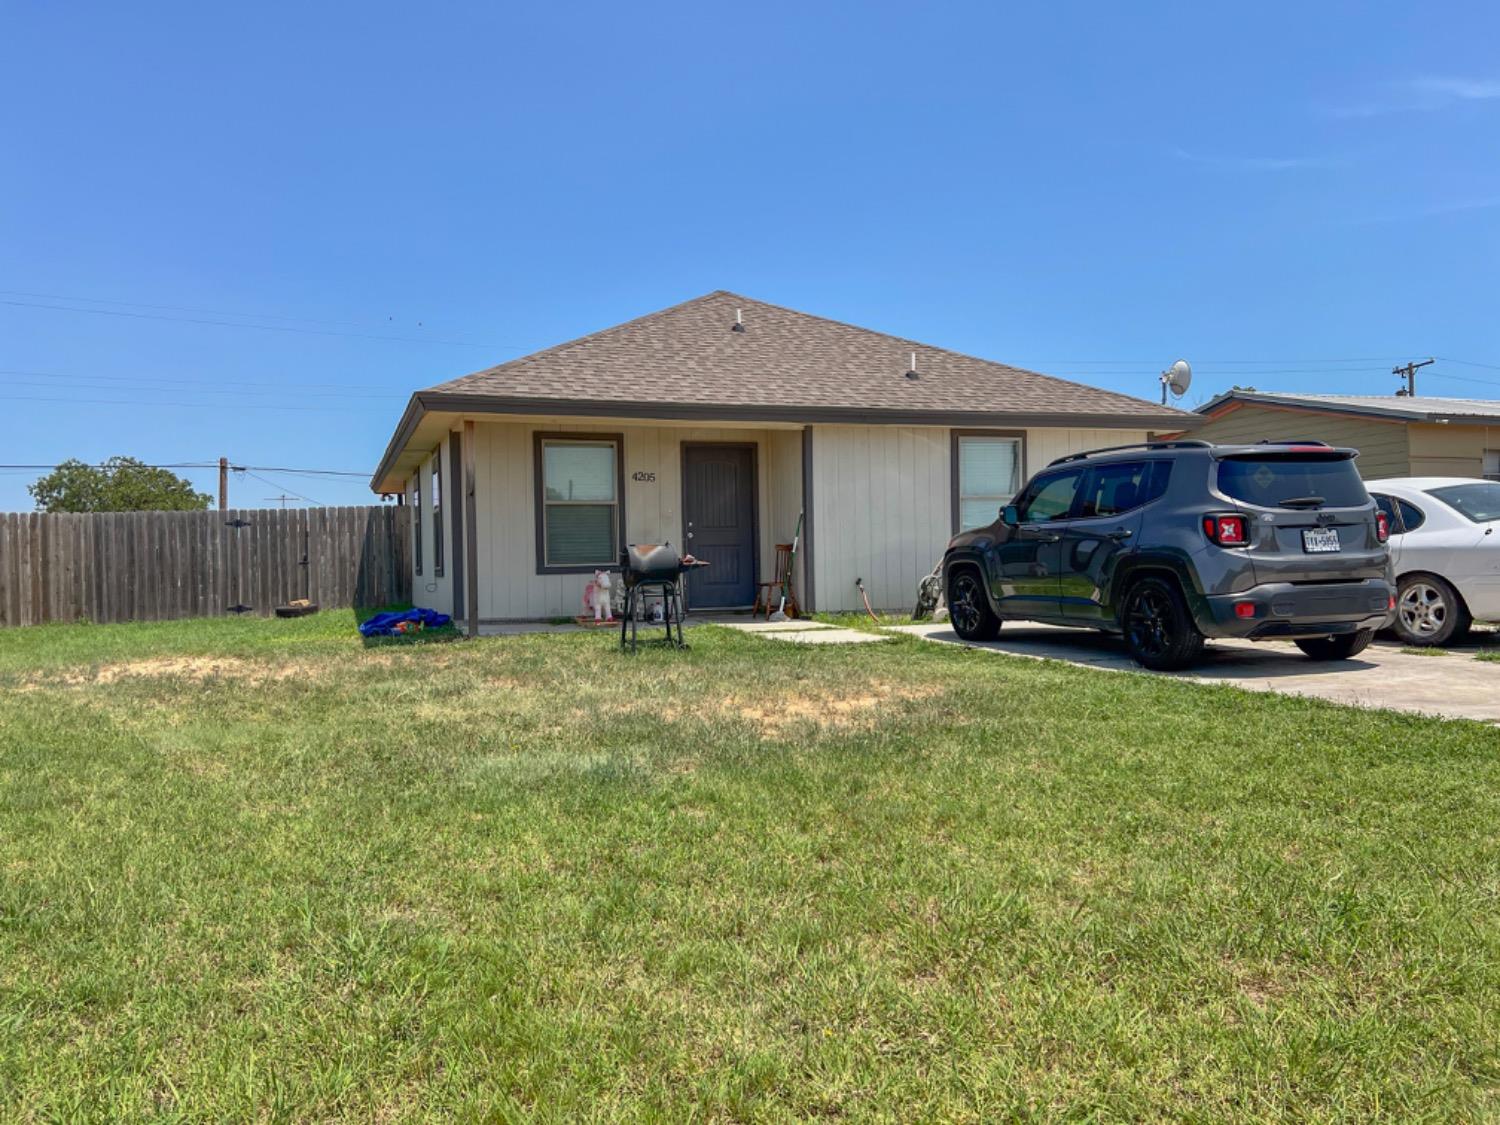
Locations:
(989, 471)
(580, 502)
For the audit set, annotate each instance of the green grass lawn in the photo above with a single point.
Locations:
(256, 869)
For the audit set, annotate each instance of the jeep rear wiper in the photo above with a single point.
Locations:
(1302, 502)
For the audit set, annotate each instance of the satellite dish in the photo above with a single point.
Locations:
(1177, 379)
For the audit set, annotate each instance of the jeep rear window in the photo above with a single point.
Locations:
(1479, 502)
(1268, 482)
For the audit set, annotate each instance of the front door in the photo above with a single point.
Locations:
(718, 515)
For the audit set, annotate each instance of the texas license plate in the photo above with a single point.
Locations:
(1320, 540)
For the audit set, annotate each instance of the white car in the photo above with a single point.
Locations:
(1445, 548)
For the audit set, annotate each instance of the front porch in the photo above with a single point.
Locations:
(556, 497)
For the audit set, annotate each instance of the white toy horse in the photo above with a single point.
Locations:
(596, 597)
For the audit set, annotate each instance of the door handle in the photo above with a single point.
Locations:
(1120, 534)
(1032, 531)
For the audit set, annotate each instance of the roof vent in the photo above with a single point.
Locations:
(739, 322)
(911, 372)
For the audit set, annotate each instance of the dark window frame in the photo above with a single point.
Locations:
(955, 486)
(437, 512)
(539, 439)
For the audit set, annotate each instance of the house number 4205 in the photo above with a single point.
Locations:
(643, 477)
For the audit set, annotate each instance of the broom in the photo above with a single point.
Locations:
(791, 566)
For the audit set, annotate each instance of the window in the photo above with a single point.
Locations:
(437, 511)
(1269, 482)
(1113, 490)
(1491, 464)
(579, 520)
(416, 520)
(987, 469)
(1050, 498)
(1412, 517)
(1479, 503)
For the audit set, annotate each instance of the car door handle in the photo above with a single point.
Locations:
(1120, 534)
(1032, 531)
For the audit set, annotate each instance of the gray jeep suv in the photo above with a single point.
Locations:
(1171, 542)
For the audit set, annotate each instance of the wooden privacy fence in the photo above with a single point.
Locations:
(155, 566)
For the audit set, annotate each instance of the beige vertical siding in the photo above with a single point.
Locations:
(1383, 450)
(1450, 450)
(883, 504)
(510, 587)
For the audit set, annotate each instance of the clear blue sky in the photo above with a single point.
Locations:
(1089, 190)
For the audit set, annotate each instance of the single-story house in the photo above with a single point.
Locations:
(712, 424)
(1396, 435)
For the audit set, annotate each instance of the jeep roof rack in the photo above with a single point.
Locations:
(1294, 441)
(1183, 443)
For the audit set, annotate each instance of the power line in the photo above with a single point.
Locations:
(195, 383)
(277, 484)
(264, 327)
(183, 308)
(1470, 363)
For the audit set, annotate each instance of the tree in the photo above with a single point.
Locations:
(121, 484)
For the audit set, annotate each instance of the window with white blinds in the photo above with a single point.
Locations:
(989, 475)
(579, 502)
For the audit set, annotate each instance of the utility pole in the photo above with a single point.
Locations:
(223, 484)
(1408, 372)
(283, 498)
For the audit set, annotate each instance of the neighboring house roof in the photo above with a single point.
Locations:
(688, 362)
(1419, 408)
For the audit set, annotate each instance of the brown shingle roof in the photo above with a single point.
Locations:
(687, 362)
(689, 355)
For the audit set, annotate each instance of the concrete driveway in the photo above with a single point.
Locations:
(1454, 685)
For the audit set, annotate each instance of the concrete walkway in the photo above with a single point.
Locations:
(804, 632)
(1454, 685)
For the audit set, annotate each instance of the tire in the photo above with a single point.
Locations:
(1159, 630)
(1429, 611)
(969, 606)
(1341, 647)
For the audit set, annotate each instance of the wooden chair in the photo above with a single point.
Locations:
(768, 594)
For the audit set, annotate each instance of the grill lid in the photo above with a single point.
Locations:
(644, 562)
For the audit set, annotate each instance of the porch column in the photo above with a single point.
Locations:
(809, 595)
(471, 535)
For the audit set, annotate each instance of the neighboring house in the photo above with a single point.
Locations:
(1397, 436)
(711, 425)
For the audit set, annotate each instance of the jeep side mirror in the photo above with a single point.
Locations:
(1009, 516)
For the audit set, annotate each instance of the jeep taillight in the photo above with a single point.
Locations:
(1226, 531)
(1382, 526)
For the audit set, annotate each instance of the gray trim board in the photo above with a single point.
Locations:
(541, 516)
(432, 401)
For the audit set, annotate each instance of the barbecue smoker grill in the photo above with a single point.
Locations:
(651, 568)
